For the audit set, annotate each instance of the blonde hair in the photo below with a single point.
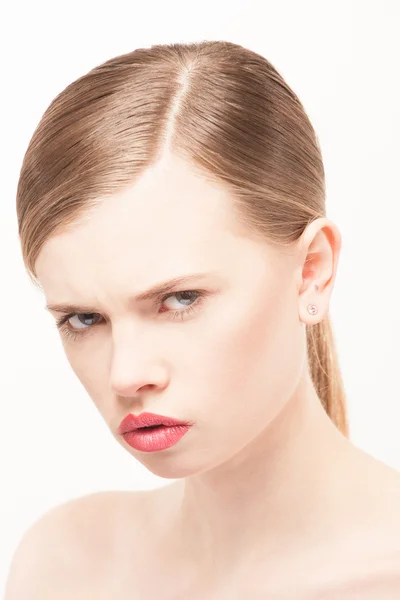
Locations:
(220, 106)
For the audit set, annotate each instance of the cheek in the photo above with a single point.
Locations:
(252, 362)
(88, 364)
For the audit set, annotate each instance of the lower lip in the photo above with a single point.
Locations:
(153, 440)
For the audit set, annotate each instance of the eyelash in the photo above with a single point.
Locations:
(70, 333)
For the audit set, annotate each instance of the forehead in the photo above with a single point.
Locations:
(169, 220)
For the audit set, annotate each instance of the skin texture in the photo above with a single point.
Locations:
(263, 476)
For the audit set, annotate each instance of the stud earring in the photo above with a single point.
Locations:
(312, 309)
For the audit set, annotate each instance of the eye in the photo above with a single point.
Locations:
(69, 331)
(187, 297)
(80, 317)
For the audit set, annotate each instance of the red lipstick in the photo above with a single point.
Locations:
(150, 433)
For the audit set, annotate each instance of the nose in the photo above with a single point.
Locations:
(132, 384)
(136, 368)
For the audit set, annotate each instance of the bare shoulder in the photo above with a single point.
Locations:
(371, 550)
(379, 491)
(66, 546)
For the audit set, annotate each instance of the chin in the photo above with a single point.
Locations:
(172, 465)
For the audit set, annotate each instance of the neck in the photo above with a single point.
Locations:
(282, 487)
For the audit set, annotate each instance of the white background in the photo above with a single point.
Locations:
(342, 60)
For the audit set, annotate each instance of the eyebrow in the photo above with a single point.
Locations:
(155, 291)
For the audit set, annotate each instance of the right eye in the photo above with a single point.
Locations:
(84, 316)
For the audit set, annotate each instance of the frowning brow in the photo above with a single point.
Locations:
(152, 293)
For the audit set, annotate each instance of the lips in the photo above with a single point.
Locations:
(132, 422)
(155, 439)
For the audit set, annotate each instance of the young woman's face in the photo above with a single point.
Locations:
(228, 365)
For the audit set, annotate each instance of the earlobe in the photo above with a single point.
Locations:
(312, 309)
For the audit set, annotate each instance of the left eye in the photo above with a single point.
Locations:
(181, 294)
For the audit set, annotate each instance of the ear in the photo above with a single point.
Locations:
(319, 250)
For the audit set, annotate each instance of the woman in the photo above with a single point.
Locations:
(198, 162)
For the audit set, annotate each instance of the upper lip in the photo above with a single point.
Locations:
(132, 422)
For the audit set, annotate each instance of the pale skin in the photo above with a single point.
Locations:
(270, 497)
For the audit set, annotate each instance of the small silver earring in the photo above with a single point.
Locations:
(312, 309)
